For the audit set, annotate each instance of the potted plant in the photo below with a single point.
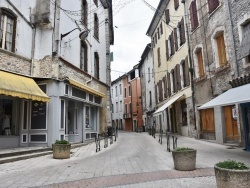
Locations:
(61, 149)
(184, 158)
(232, 174)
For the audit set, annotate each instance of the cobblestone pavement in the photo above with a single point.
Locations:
(135, 160)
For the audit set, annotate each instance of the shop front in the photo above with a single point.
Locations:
(17, 96)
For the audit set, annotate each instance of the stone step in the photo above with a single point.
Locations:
(22, 151)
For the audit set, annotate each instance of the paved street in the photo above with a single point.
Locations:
(135, 160)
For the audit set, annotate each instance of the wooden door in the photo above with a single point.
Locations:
(231, 124)
(207, 124)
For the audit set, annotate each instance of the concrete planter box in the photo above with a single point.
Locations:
(228, 178)
(61, 151)
(184, 160)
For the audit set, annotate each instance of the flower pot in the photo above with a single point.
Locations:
(61, 151)
(230, 178)
(184, 160)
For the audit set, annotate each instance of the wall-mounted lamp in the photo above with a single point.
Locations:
(83, 34)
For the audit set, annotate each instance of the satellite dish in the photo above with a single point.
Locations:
(83, 35)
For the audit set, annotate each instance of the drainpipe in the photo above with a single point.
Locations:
(236, 69)
(191, 67)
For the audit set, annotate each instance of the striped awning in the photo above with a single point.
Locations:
(21, 87)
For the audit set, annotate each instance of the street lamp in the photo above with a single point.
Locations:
(83, 34)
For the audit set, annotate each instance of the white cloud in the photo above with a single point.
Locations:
(130, 40)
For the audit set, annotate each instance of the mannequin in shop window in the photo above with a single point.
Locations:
(6, 123)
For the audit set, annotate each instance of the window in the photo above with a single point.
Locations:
(171, 44)
(193, 15)
(181, 33)
(96, 2)
(200, 62)
(158, 32)
(129, 91)
(84, 12)
(125, 109)
(176, 4)
(162, 88)
(96, 66)
(125, 93)
(172, 81)
(84, 61)
(117, 106)
(149, 74)
(221, 49)
(185, 69)
(120, 106)
(161, 30)
(212, 5)
(150, 98)
(155, 38)
(96, 26)
(7, 30)
(116, 91)
(159, 57)
(120, 87)
(153, 41)
(244, 49)
(112, 107)
(62, 114)
(167, 16)
(184, 112)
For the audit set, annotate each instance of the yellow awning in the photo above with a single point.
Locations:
(21, 87)
(86, 88)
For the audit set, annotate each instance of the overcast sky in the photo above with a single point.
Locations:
(131, 19)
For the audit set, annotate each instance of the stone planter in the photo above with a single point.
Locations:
(228, 178)
(61, 151)
(184, 160)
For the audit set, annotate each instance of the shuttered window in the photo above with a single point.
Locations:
(212, 5)
(182, 32)
(167, 16)
(96, 26)
(167, 50)
(159, 56)
(172, 43)
(178, 76)
(165, 87)
(186, 73)
(161, 29)
(200, 62)
(160, 90)
(158, 32)
(155, 38)
(221, 49)
(169, 84)
(84, 12)
(84, 58)
(193, 15)
(156, 98)
(176, 39)
(176, 4)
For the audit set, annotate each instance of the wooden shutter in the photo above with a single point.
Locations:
(187, 79)
(167, 49)
(212, 5)
(161, 28)
(167, 16)
(200, 63)
(178, 77)
(221, 49)
(182, 32)
(176, 4)
(191, 16)
(155, 38)
(169, 84)
(160, 90)
(196, 21)
(172, 42)
(156, 94)
(159, 56)
(175, 39)
(165, 87)
(175, 79)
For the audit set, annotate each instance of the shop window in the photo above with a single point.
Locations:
(6, 117)
(84, 12)
(38, 115)
(78, 93)
(25, 115)
(90, 117)
(38, 138)
(24, 138)
(7, 30)
(62, 114)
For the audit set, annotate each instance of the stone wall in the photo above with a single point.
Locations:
(14, 63)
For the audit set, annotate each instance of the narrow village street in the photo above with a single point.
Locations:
(134, 160)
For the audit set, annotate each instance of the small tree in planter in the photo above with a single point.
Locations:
(61, 149)
(184, 159)
(232, 174)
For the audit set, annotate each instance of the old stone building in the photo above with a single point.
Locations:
(64, 47)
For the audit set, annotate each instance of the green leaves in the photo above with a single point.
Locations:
(231, 164)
